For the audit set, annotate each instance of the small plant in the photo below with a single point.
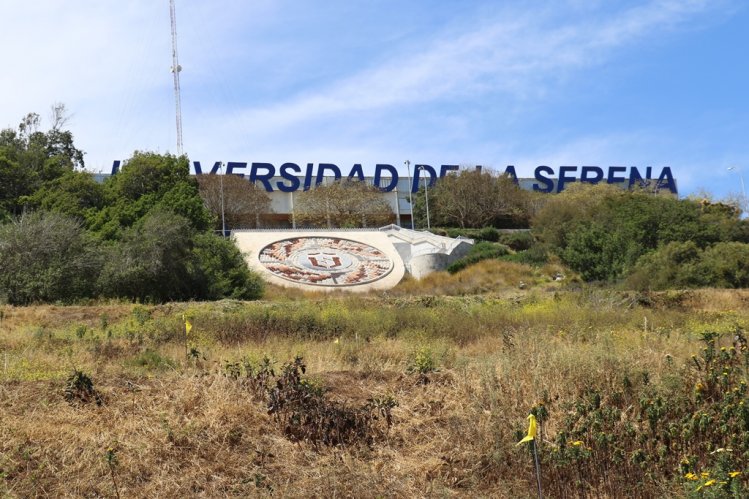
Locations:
(79, 389)
(141, 315)
(422, 364)
(111, 458)
(152, 360)
(80, 331)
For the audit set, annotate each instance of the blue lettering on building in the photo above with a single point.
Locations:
(545, 179)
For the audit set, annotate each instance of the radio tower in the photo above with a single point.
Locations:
(176, 68)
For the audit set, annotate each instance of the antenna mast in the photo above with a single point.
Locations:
(176, 69)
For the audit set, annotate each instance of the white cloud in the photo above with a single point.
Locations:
(515, 54)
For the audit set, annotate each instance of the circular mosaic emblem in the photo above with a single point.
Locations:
(325, 261)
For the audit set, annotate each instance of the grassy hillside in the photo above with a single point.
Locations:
(635, 394)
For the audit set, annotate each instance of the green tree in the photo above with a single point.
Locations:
(29, 158)
(46, 257)
(75, 194)
(149, 181)
(602, 232)
(151, 262)
(220, 271)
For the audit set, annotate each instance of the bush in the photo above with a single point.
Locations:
(220, 270)
(480, 251)
(673, 265)
(46, 257)
(488, 234)
(536, 255)
(150, 264)
(517, 241)
(601, 231)
(162, 259)
(724, 265)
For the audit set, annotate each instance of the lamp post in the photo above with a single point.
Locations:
(223, 218)
(743, 190)
(410, 196)
(426, 195)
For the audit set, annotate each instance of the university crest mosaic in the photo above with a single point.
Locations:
(325, 261)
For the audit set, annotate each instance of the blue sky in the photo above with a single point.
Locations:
(527, 83)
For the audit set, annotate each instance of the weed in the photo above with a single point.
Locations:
(80, 331)
(422, 364)
(79, 389)
(152, 360)
(141, 315)
(300, 407)
(111, 458)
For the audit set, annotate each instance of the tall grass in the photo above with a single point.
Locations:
(610, 370)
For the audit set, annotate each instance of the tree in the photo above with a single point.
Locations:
(163, 258)
(344, 203)
(243, 202)
(220, 271)
(30, 158)
(46, 257)
(602, 231)
(149, 181)
(75, 194)
(151, 261)
(475, 199)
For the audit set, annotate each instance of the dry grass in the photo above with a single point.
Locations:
(182, 428)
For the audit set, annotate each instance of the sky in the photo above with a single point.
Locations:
(524, 83)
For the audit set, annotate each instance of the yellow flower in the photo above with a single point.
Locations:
(336, 341)
(705, 474)
(734, 474)
(577, 443)
(710, 483)
(690, 476)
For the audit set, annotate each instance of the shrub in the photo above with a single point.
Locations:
(488, 234)
(726, 265)
(480, 251)
(601, 231)
(46, 257)
(79, 389)
(517, 241)
(300, 407)
(220, 270)
(697, 429)
(537, 255)
(161, 258)
(685, 265)
(673, 265)
(150, 264)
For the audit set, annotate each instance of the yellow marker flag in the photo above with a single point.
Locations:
(188, 326)
(532, 429)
